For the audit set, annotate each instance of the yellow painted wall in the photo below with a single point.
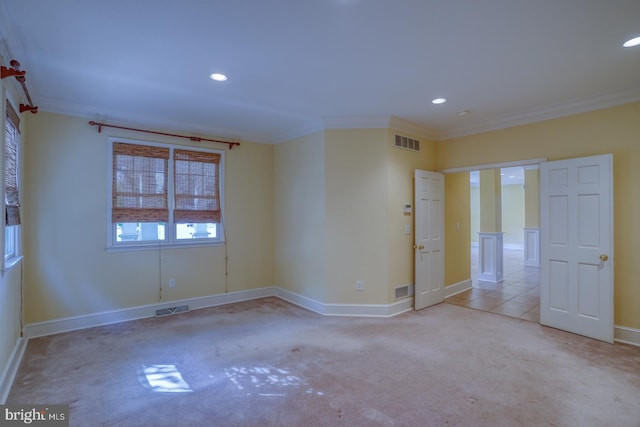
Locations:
(457, 243)
(513, 215)
(613, 130)
(299, 203)
(356, 215)
(339, 219)
(401, 165)
(475, 213)
(490, 201)
(68, 272)
(532, 198)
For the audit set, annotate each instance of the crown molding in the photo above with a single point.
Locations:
(405, 126)
(574, 107)
(307, 128)
(77, 110)
(356, 122)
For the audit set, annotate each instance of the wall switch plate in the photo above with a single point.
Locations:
(359, 285)
(172, 283)
(407, 229)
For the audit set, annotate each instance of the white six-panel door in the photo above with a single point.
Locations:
(429, 238)
(576, 204)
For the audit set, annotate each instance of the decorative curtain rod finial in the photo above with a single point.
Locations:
(9, 72)
(19, 75)
(25, 107)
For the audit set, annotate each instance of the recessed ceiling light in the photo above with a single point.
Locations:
(439, 101)
(632, 42)
(464, 113)
(218, 77)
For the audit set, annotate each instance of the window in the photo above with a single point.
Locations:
(164, 194)
(11, 188)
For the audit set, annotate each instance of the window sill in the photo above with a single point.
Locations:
(158, 246)
(12, 262)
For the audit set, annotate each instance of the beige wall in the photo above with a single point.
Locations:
(457, 244)
(401, 165)
(532, 198)
(339, 219)
(513, 215)
(490, 201)
(614, 130)
(356, 216)
(299, 220)
(68, 272)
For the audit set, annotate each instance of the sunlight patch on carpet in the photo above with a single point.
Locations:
(267, 381)
(163, 379)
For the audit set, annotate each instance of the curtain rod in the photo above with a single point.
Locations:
(19, 75)
(192, 138)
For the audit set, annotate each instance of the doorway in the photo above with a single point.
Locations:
(518, 293)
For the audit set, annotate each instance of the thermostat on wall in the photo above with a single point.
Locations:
(406, 209)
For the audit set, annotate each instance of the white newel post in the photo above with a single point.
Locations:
(490, 259)
(532, 246)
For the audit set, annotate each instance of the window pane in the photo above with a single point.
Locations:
(196, 231)
(9, 242)
(140, 231)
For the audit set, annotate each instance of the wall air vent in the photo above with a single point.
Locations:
(171, 310)
(407, 143)
(403, 291)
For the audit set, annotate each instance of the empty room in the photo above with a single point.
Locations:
(260, 213)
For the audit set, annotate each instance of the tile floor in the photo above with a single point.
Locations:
(518, 295)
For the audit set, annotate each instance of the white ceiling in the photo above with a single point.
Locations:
(299, 66)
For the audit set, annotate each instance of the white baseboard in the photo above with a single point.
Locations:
(74, 323)
(457, 288)
(11, 369)
(627, 335)
(354, 310)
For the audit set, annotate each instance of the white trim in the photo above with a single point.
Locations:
(11, 369)
(352, 310)
(357, 122)
(490, 256)
(457, 288)
(513, 246)
(74, 323)
(405, 126)
(68, 324)
(300, 300)
(627, 335)
(532, 246)
(574, 107)
(132, 119)
(171, 240)
(500, 165)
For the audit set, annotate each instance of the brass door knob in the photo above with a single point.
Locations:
(604, 258)
(419, 247)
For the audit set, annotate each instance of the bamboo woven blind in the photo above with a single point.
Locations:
(196, 186)
(139, 183)
(12, 197)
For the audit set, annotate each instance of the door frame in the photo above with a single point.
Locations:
(484, 166)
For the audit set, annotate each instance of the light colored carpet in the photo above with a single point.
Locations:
(269, 363)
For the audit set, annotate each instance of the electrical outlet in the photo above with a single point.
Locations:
(359, 285)
(172, 283)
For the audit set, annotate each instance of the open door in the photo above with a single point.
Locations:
(429, 238)
(576, 205)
